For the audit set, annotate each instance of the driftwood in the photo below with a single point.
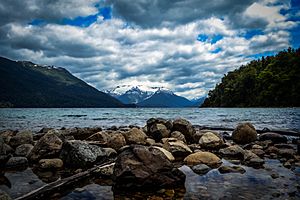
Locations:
(281, 132)
(66, 184)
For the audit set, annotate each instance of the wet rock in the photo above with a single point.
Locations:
(252, 160)
(226, 135)
(102, 138)
(244, 133)
(168, 154)
(178, 136)
(184, 127)
(17, 163)
(48, 146)
(23, 137)
(116, 141)
(287, 165)
(201, 169)
(80, 154)
(207, 158)
(177, 147)
(211, 141)
(23, 150)
(54, 163)
(258, 152)
(234, 151)
(274, 175)
(144, 167)
(158, 131)
(231, 169)
(272, 150)
(135, 136)
(274, 137)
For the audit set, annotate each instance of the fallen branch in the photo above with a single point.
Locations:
(63, 185)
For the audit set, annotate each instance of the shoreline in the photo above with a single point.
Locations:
(176, 145)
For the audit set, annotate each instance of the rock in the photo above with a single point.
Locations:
(258, 152)
(275, 175)
(167, 123)
(207, 158)
(4, 195)
(150, 141)
(54, 163)
(5, 149)
(23, 150)
(48, 146)
(234, 151)
(107, 171)
(158, 131)
(17, 163)
(256, 146)
(178, 136)
(166, 153)
(81, 133)
(102, 138)
(6, 135)
(284, 146)
(252, 160)
(274, 137)
(287, 153)
(144, 167)
(231, 169)
(178, 148)
(271, 150)
(76, 153)
(135, 136)
(210, 141)
(244, 133)
(226, 135)
(45, 130)
(23, 137)
(184, 127)
(116, 141)
(201, 169)
(195, 147)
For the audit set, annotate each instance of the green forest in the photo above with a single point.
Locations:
(272, 81)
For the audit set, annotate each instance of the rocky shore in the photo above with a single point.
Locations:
(146, 158)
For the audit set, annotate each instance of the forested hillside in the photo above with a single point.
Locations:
(272, 81)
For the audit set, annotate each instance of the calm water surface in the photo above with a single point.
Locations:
(37, 118)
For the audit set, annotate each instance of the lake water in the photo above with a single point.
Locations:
(37, 118)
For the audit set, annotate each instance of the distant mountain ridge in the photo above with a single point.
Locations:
(25, 84)
(144, 96)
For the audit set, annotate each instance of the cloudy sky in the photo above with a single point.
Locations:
(184, 45)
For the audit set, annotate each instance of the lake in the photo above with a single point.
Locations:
(37, 118)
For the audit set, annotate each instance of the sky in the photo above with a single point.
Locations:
(184, 45)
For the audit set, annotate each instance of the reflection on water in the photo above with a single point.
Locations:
(37, 118)
(254, 184)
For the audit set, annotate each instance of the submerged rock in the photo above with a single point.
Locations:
(207, 158)
(231, 169)
(201, 169)
(244, 133)
(48, 146)
(145, 167)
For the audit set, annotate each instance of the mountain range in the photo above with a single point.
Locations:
(144, 96)
(25, 84)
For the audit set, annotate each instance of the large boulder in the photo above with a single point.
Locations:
(177, 147)
(23, 137)
(135, 136)
(206, 158)
(144, 167)
(274, 137)
(234, 151)
(210, 141)
(244, 133)
(76, 153)
(185, 127)
(48, 146)
(158, 131)
(23, 150)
